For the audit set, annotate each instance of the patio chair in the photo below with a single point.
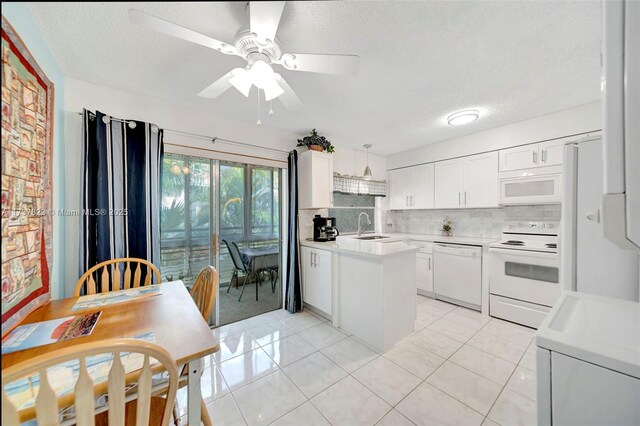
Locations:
(239, 266)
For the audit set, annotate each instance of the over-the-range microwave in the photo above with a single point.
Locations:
(542, 185)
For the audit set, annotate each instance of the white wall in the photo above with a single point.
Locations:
(580, 119)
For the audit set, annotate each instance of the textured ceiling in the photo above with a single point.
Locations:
(420, 61)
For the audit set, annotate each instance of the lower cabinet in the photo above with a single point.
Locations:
(424, 274)
(317, 278)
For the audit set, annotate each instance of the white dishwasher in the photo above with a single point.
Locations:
(457, 274)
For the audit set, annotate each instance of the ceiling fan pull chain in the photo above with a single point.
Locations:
(258, 122)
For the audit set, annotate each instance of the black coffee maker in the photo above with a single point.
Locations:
(324, 228)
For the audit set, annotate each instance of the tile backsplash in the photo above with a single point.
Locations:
(467, 222)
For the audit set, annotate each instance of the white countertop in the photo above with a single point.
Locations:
(455, 239)
(600, 330)
(375, 249)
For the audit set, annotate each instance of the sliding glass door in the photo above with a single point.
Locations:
(212, 210)
(250, 227)
(187, 217)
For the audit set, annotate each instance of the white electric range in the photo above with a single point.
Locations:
(524, 272)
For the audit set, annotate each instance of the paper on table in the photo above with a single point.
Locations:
(47, 332)
(111, 298)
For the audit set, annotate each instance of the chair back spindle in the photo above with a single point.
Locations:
(109, 275)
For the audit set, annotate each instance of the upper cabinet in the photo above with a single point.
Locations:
(411, 188)
(481, 180)
(531, 156)
(520, 157)
(467, 182)
(448, 184)
(315, 180)
(551, 152)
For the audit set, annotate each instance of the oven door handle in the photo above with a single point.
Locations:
(512, 252)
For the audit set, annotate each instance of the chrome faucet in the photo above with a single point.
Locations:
(360, 228)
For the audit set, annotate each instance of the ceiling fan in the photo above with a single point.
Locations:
(260, 48)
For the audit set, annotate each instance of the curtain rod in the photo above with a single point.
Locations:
(225, 152)
(212, 139)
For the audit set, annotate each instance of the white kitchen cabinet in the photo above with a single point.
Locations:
(448, 184)
(315, 180)
(519, 157)
(411, 188)
(532, 156)
(551, 152)
(317, 274)
(420, 186)
(467, 182)
(481, 180)
(398, 199)
(424, 274)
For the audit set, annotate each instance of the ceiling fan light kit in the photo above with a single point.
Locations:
(260, 48)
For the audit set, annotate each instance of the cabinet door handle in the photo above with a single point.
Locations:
(407, 201)
(412, 200)
(458, 199)
(429, 263)
(535, 157)
(465, 198)
(544, 155)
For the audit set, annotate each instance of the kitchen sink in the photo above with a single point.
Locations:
(371, 237)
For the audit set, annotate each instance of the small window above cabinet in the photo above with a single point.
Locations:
(411, 188)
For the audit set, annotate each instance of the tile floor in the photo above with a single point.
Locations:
(457, 368)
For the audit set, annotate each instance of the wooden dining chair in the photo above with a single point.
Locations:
(203, 291)
(108, 272)
(81, 359)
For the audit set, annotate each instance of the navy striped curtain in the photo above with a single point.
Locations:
(293, 300)
(120, 190)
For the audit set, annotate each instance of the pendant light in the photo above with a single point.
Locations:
(367, 170)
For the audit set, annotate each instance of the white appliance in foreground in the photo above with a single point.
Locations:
(457, 274)
(524, 272)
(589, 262)
(588, 362)
(620, 112)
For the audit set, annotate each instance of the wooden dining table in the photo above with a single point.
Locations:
(172, 317)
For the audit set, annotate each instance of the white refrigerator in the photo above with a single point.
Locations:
(589, 262)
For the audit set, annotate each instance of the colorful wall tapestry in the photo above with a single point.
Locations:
(27, 120)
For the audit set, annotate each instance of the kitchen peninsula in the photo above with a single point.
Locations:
(368, 287)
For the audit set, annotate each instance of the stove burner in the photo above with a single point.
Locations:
(513, 243)
(551, 245)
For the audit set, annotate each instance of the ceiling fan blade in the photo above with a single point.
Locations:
(160, 25)
(289, 99)
(219, 86)
(265, 18)
(326, 64)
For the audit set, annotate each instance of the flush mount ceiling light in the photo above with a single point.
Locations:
(367, 170)
(463, 117)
